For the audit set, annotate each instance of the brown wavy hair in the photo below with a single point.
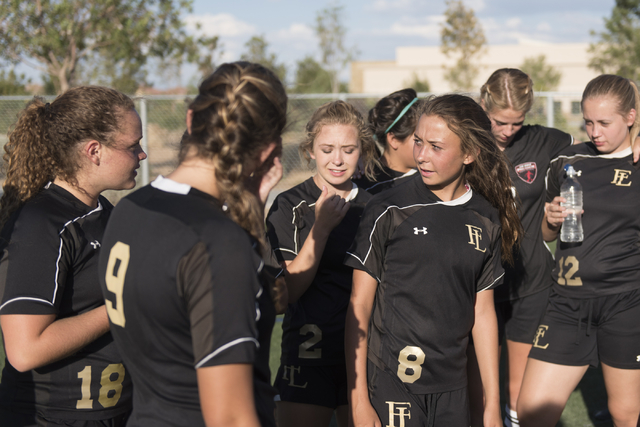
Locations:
(240, 109)
(507, 88)
(488, 174)
(341, 113)
(44, 142)
(623, 90)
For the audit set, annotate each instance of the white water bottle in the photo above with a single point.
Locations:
(571, 191)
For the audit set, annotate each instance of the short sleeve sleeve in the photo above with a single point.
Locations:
(552, 180)
(281, 230)
(218, 280)
(492, 273)
(34, 265)
(369, 246)
(558, 141)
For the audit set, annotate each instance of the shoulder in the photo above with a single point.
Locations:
(483, 208)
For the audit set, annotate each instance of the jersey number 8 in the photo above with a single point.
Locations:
(410, 364)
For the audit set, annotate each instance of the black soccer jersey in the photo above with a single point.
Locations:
(608, 260)
(49, 265)
(183, 292)
(313, 327)
(530, 152)
(385, 178)
(430, 258)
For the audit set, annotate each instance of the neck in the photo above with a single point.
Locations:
(392, 163)
(88, 197)
(342, 190)
(450, 192)
(199, 174)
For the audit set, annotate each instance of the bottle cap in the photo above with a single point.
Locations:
(569, 170)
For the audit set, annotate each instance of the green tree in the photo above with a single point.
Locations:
(257, 52)
(462, 37)
(334, 54)
(545, 76)
(618, 50)
(311, 77)
(418, 84)
(53, 36)
(13, 84)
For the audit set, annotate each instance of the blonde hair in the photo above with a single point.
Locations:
(341, 113)
(623, 90)
(507, 88)
(240, 109)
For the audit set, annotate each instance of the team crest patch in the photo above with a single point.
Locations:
(527, 171)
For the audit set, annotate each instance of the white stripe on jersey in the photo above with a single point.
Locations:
(488, 286)
(26, 298)
(226, 346)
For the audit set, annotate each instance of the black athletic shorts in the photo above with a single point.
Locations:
(519, 319)
(10, 418)
(397, 407)
(579, 332)
(315, 385)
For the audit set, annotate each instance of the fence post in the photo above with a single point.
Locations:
(144, 142)
(550, 112)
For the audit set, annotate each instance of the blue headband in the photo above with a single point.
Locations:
(402, 113)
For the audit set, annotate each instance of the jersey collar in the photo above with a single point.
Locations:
(170, 186)
(619, 155)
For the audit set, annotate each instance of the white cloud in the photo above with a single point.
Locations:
(543, 26)
(297, 32)
(513, 22)
(476, 5)
(384, 5)
(428, 27)
(223, 24)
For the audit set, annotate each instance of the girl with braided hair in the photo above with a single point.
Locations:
(426, 258)
(182, 270)
(62, 366)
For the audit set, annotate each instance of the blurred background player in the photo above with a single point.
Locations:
(507, 97)
(426, 259)
(63, 367)
(393, 121)
(182, 272)
(595, 300)
(310, 228)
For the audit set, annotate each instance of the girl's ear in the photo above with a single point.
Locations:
(392, 141)
(92, 150)
(631, 117)
(470, 158)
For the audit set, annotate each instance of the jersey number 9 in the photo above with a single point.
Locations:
(116, 271)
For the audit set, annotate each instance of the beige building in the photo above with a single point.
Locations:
(382, 77)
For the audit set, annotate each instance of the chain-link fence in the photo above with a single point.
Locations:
(163, 119)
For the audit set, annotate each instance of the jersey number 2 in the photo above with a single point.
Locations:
(316, 337)
(116, 270)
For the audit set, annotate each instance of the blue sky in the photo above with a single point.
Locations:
(377, 27)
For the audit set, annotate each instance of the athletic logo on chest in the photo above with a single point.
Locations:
(620, 178)
(399, 410)
(95, 244)
(475, 235)
(417, 230)
(527, 171)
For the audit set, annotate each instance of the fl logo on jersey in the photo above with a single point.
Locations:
(527, 171)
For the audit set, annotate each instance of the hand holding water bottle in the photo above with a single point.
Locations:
(566, 210)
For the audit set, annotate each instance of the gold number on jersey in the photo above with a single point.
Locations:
(303, 350)
(86, 402)
(568, 279)
(115, 281)
(410, 364)
(109, 386)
